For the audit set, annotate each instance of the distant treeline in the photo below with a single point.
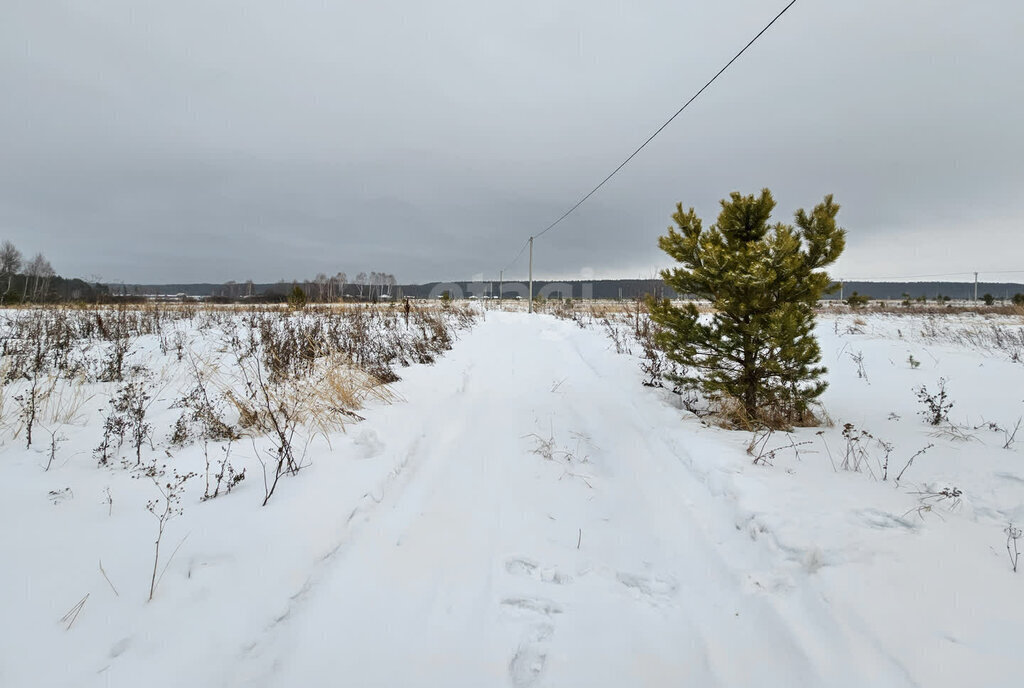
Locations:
(34, 280)
(633, 288)
(929, 290)
(51, 289)
(278, 291)
(597, 289)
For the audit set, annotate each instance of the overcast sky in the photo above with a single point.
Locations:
(207, 140)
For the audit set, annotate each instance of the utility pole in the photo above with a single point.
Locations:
(501, 274)
(975, 286)
(531, 277)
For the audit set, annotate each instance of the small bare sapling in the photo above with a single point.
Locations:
(164, 508)
(55, 440)
(28, 408)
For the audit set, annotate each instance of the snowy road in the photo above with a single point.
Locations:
(619, 561)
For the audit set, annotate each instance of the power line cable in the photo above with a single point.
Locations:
(668, 121)
(513, 261)
(656, 132)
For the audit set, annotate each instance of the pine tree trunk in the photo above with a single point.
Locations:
(749, 384)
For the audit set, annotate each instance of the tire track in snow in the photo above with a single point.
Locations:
(799, 649)
(260, 655)
(441, 583)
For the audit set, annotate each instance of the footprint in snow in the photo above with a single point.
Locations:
(118, 648)
(536, 605)
(1010, 476)
(654, 588)
(527, 665)
(883, 519)
(531, 569)
(368, 443)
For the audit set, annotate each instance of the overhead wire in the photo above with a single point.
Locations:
(658, 130)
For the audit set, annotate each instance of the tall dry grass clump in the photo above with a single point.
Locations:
(275, 375)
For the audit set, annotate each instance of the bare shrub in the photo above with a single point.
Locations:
(226, 475)
(653, 362)
(274, 408)
(618, 336)
(115, 424)
(29, 403)
(202, 415)
(281, 408)
(936, 405)
(126, 416)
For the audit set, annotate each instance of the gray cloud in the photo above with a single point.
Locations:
(206, 141)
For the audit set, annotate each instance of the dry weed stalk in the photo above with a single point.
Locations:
(759, 441)
(71, 615)
(165, 508)
(1012, 535)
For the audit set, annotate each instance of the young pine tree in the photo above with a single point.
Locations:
(297, 298)
(763, 281)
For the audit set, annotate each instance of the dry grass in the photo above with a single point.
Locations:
(63, 402)
(729, 413)
(307, 370)
(323, 402)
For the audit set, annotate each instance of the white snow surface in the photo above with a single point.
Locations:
(434, 543)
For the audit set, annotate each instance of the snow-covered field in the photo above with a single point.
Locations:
(521, 512)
